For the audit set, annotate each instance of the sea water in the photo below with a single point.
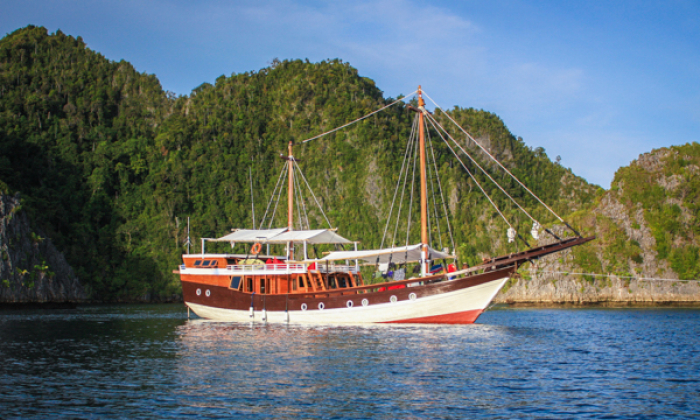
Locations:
(151, 362)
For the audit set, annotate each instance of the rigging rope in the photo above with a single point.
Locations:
(296, 202)
(396, 190)
(413, 182)
(315, 199)
(297, 185)
(442, 197)
(361, 118)
(610, 275)
(482, 169)
(432, 191)
(499, 163)
(409, 149)
(473, 178)
(262, 222)
(279, 195)
(252, 199)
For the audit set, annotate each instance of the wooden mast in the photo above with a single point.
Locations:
(423, 188)
(290, 200)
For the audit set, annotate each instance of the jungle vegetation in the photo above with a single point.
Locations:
(110, 165)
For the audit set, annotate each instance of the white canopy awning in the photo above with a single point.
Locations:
(250, 235)
(282, 236)
(319, 236)
(398, 255)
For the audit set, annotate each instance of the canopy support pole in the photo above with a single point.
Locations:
(357, 265)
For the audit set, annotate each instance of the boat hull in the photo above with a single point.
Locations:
(458, 301)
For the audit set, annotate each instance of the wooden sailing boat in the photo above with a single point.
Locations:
(269, 288)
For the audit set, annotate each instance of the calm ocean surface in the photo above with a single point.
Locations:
(149, 361)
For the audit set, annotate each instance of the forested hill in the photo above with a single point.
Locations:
(110, 166)
(648, 239)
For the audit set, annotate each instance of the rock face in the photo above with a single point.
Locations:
(550, 283)
(646, 228)
(31, 269)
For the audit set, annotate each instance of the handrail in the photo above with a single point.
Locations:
(283, 268)
(273, 268)
(337, 269)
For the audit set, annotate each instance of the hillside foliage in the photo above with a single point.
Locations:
(111, 166)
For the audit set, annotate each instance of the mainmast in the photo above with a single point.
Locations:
(423, 187)
(290, 200)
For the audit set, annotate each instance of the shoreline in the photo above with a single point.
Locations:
(12, 306)
(603, 304)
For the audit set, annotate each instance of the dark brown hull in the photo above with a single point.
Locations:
(435, 299)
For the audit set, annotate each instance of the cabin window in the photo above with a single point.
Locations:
(301, 281)
(205, 263)
(213, 263)
(331, 282)
(262, 286)
(341, 282)
(198, 263)
(235, 282)
(250, 284)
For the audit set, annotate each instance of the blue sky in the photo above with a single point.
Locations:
(596, 82)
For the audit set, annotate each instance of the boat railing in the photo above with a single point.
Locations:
(282, 268)
(267, 268)
(338, 269)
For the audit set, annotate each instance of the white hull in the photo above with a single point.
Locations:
(476, 298)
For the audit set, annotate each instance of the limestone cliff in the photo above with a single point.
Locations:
(647, 240)
(31, 269)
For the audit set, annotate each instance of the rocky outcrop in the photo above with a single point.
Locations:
(31, 269)
(552, 281)
(652, 200)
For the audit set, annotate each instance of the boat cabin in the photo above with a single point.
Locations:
(269, 274)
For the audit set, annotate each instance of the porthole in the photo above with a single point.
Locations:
(321, 306)
(199, 292)
(412, 296)
(393, 299)
(365, 302)
(304, 307)
(349, 304)
(208, 293)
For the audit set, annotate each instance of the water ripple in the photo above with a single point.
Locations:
(150, 361)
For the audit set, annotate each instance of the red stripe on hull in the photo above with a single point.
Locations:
(466, 317)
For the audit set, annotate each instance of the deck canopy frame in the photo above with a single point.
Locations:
(314, 237)
(282, 236)
(250, 235)
(397, 255)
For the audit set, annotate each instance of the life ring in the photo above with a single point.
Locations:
(256, 248)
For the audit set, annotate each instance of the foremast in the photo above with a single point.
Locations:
(290, 199)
